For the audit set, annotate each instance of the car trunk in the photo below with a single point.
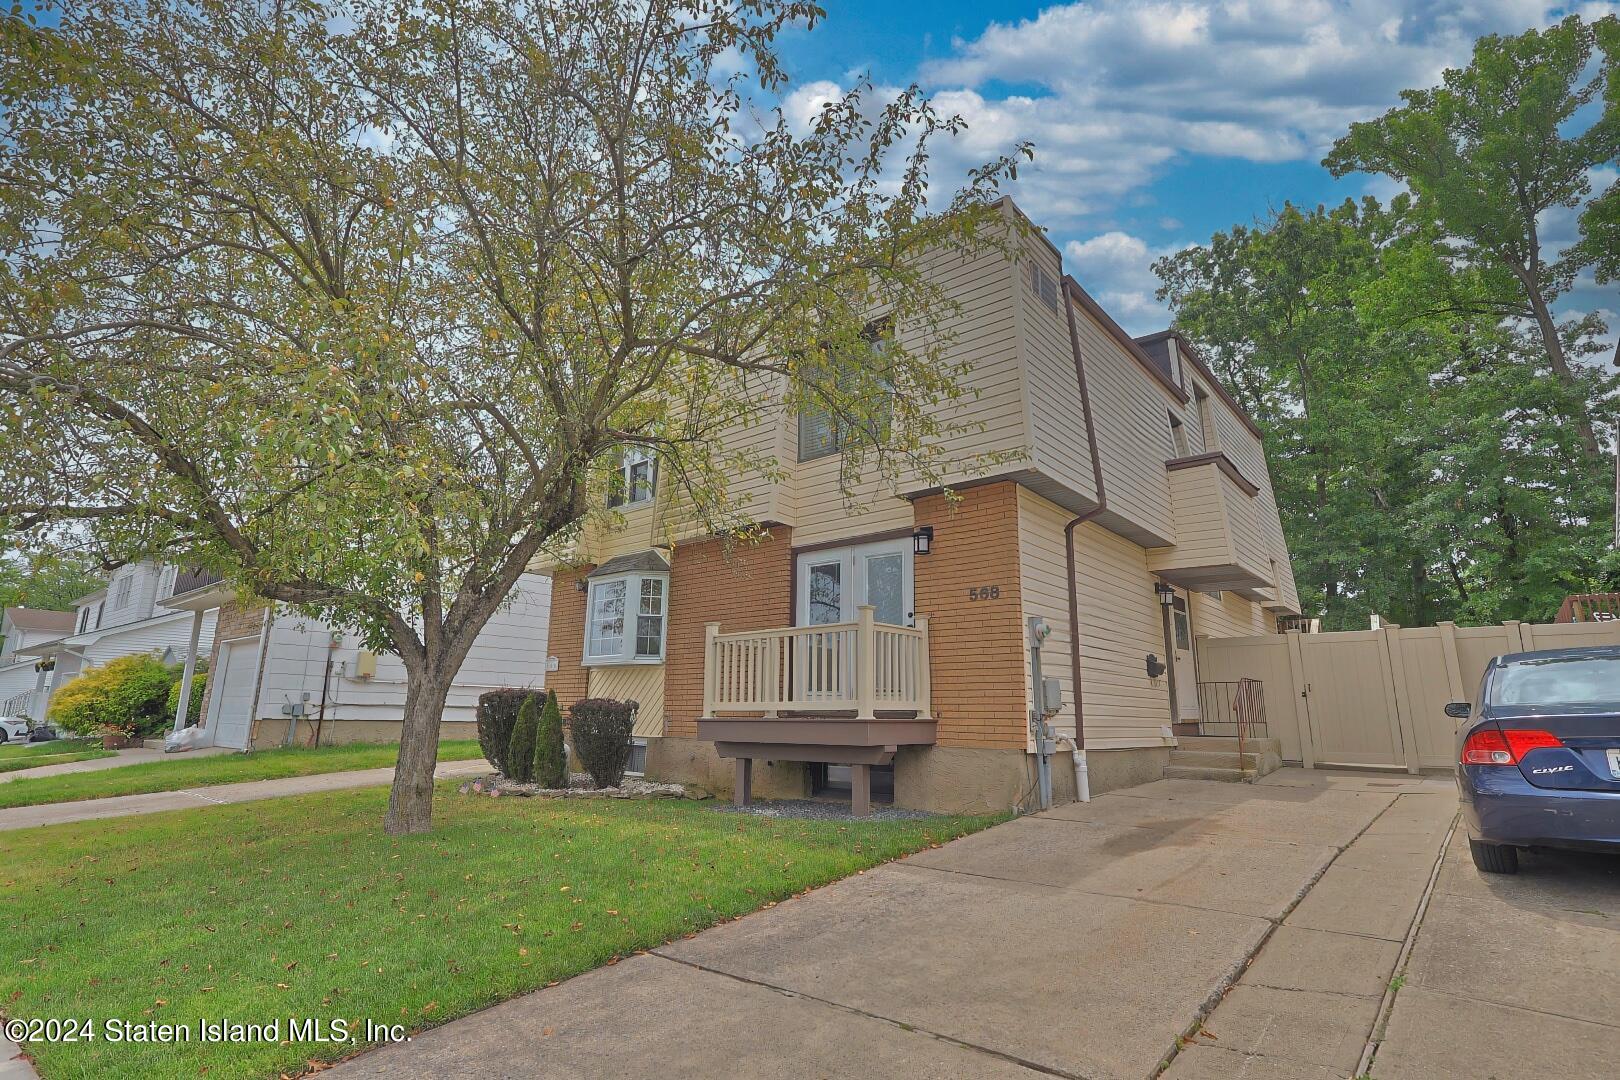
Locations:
(1589, 759)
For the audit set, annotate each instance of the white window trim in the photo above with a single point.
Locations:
(634, 456)
(632, 597)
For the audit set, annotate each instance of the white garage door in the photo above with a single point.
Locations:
(231, 716)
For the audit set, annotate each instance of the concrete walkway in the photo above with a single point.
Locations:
(139, 755)
(1091, 941)
(1512, 976)
(25, 817)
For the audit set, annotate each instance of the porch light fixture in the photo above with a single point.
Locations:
(922, 539)
(581, 585)
(1167, 593)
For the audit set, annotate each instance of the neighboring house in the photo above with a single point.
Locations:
(122, 619)
(277, 677)
(888, 642)
(20, 676)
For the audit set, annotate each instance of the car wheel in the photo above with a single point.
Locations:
(1494, 858)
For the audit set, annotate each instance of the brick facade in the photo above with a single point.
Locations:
(566, 638)
(976, 646)
(748, 587)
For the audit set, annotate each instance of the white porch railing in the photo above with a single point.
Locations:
(18, 705)
(862, 666)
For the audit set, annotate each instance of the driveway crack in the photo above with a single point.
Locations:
(1014, 1059)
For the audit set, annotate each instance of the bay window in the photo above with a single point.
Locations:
(625, 619)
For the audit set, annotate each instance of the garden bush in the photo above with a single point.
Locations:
(520, 752)
(550, 756)
(497, 716)
(128, 695)
(601, 730)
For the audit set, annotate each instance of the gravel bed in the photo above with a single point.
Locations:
(820, 810)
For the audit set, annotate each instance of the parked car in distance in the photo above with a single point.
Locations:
(1538, 763)
(14, 728)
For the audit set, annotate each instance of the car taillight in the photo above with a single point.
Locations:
(1490, 747)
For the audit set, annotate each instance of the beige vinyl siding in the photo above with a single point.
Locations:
(1133, 434)
(1229, 616)
(826, 513)
(1119, 619)
(1203, 532)
(643, 683)
(1060, 450)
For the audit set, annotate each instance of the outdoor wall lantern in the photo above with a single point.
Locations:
(581, 585)
(923, 539)
(1167, 593)
(1155, 666)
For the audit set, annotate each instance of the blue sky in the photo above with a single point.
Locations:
(1158, 122)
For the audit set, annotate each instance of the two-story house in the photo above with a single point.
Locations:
(279, 677)
(123, 619)
(897, 643)
(20, 674)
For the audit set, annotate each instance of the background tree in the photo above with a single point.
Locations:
(358, 303)
(45, 579)
(1420, 447)
(1495, 147)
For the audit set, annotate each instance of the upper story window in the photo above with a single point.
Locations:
(120, 594)
(1044, 285)
(637, 479)
(625, 619)
(821, 433)
(1178, 436)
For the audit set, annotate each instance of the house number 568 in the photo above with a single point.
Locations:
(985, 592)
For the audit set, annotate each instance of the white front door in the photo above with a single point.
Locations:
(230, 714)
(1186, 666)
(835, 582)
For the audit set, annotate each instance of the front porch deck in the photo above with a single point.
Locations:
(842, 694)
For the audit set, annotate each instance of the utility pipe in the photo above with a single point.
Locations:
(1082, 777)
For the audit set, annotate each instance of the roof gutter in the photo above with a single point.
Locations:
(1082, 780)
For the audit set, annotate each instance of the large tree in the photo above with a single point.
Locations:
(1423, 457)
(359, 302)
(1497, 146)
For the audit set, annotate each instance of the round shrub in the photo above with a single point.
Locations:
(601, 731)
(128, 695)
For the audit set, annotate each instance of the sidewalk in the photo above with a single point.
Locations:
(139, 755)
(1083, 942)
(25, 817)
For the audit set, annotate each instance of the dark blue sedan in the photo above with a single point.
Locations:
(1539, 759)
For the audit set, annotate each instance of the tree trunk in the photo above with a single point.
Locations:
(410, 802)
(1560, 365)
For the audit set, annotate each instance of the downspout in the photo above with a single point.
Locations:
(1082, 777)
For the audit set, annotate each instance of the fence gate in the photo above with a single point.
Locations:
(1377, 698)
(1349, 699)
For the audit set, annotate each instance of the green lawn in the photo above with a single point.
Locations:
(189, 770)
(16, 755)
(301, 907)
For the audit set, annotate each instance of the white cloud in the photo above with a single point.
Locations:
(1117, 269)
(1124, 87)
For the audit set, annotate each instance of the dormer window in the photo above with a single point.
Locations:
(120, 595)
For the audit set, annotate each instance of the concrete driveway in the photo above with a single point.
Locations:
(1092, 941)
(1512, 976)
